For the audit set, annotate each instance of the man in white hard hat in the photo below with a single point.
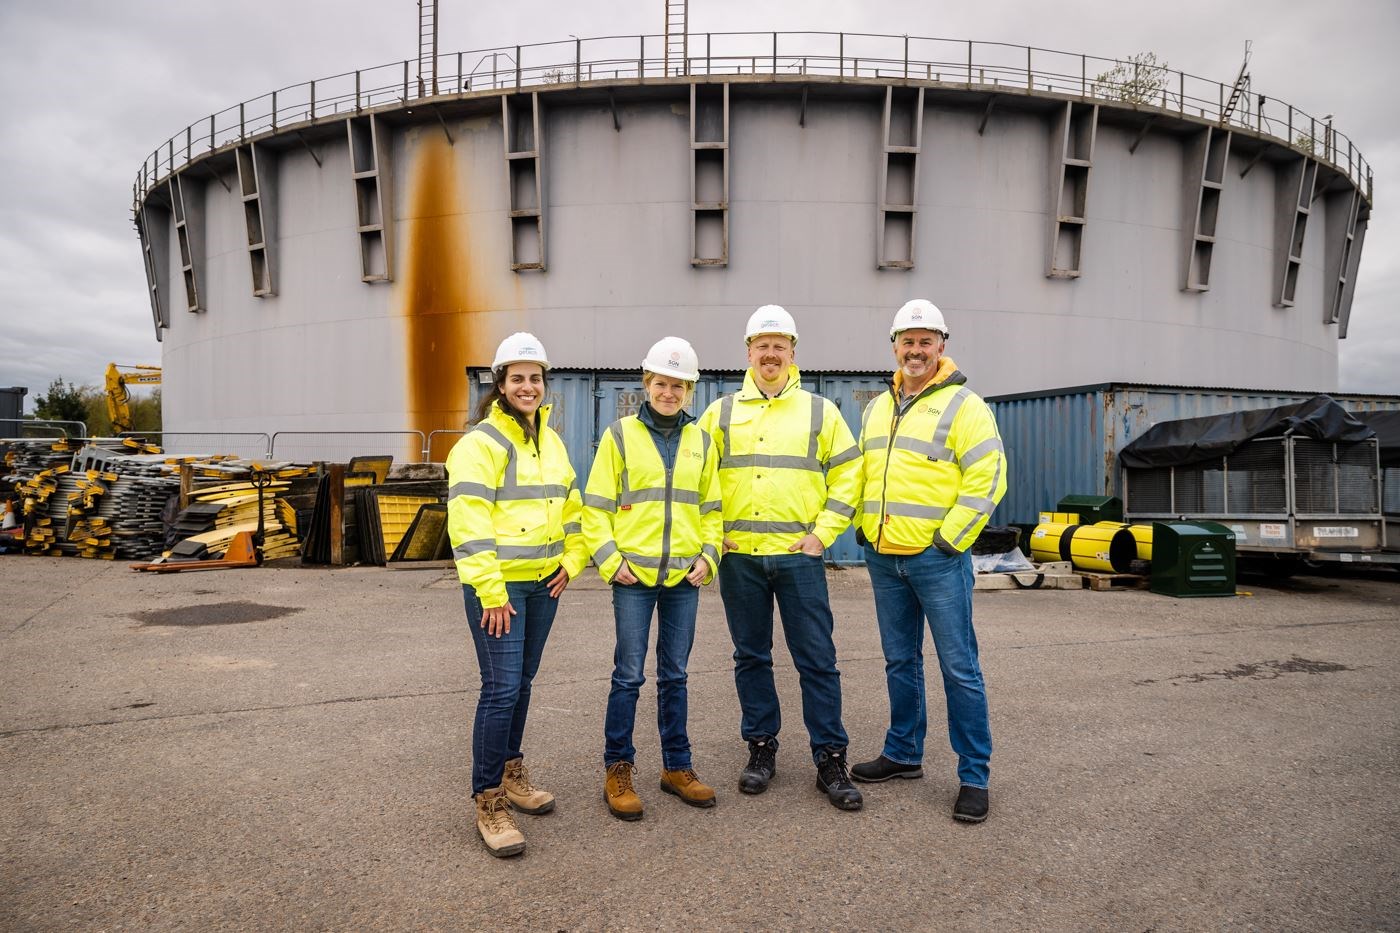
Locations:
(933, 470)
(790, 479)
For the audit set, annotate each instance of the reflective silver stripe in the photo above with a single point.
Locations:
(709, 550)
(772, 461)
(573, 528)
(840, 508)
(871, 507)
(726, 415)
(877, 443)
(615, 429)
(865, 415)
(685, 497)
(846, 456)
(471, 548)
(491, 431)
(945, 423)
(632, 496)
(638, 560)
(921, 447)
(818, 406)
(704, 445)
(599, 502)
(545, 491)
(996, 478)
(771, 528)
(529, 552)
(608, 549)
(714, 505)
(977, 504)
(981, 450)
(910, 510)
(479, 490)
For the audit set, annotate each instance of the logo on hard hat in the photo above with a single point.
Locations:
(675, 360)
(917, 314)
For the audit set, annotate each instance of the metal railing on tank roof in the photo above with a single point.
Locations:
(958, 63)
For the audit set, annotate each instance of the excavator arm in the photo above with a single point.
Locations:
(119, 396)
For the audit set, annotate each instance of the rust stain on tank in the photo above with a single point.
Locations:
(442, 291)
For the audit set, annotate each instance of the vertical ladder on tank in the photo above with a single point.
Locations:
(709, 174)
(1293, 205)
(371, 172)
(187, 202)
(677, 38)
(1203, 183)
(521, 123)
(1071, 156)
(427, 47)
(1343, 211)
(901, 133)
(153, 224)
(256, 187)
(1363, 218)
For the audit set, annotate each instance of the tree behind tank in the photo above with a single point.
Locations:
(1140, 79)
(62, 402)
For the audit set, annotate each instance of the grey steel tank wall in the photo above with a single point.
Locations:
(330, 352)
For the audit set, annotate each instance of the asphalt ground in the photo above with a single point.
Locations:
(1160, 764)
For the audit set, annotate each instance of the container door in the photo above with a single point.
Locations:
(851, 393)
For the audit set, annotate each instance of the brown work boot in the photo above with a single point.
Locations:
(496, 823)
(685, 785)
(523, 795)
(621, 799)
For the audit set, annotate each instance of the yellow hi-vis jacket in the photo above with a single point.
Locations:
(513, 507)
(787, 466)
(659, 519)
(934, 466)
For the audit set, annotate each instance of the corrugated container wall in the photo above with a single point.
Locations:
(1066, 441)
(11, 410)
(584, 403)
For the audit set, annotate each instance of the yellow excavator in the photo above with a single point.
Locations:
(118, 396)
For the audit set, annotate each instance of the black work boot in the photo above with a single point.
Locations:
(763, 764)
(972, 804)
(882, 769)
(833, 781)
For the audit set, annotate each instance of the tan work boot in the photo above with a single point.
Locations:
(523, 795)
(496, 823)
(685, 785)
(621, 799)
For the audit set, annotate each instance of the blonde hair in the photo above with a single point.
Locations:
(648, 376)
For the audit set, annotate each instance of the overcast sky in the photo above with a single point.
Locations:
(93, 86)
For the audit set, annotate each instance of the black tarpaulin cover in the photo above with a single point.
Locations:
(1192, 440)
(1387, 427)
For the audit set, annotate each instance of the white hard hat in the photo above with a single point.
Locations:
(771, 319)
(519, 348)
(672, 356)
(918, 314)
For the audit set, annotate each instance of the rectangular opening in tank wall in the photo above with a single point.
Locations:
(252, 220)
(258, 260)
(1065, 262)
(521, 135)
(247, 178)
(898, 240)
(523, 188)
(904, 120)
(1300, 227)
(1074, 192)
(184, 242)
(373, 264)
(191, 297)
(367, 202)
(1305, 190)
(1215, 157)
(1201, 261)
(899, 180)
(711, 234)
(177, 200)
(709, 115)
(1290, 283)
(709, 177)
(1081, 133)
(1210, 211)
(361, 146)
(525, 241)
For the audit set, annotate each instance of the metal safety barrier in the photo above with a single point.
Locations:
(433, 449)
(995, 66)
(249, 444)
(340, 446)
(16, 428)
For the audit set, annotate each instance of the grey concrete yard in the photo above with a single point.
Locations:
(1160, 764)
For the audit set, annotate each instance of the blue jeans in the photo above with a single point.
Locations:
(675, 611)
(749, 584)
(938, 587)
(508, 665)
